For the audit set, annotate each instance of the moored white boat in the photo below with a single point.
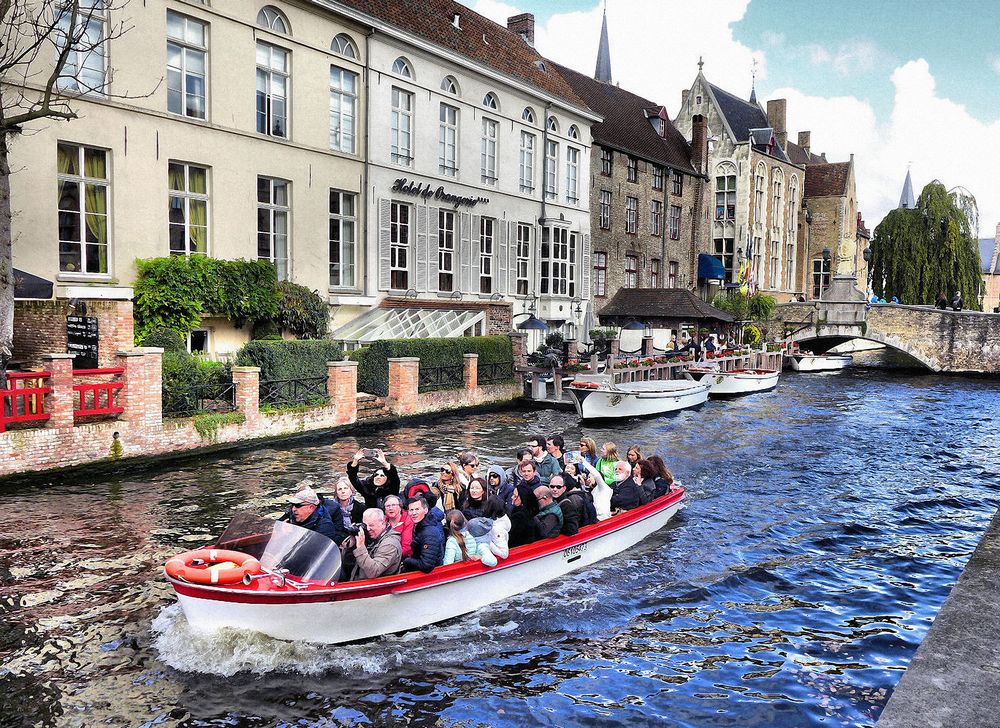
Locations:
(597, 396)
(802, 362)
(736, 381)
(312, 610)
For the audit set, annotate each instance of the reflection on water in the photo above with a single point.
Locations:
(825, 524)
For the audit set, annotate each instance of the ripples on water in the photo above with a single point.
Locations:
(825, 525)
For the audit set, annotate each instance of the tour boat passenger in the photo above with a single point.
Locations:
(664, 478)
(644, 475)
(449, 486)
(579, 484)
(351, 509)
(399, 521)
(588, 450)
(549, 517)
(419, 487)
(554, 445)
(572, 509)
(468, 463)
(383, 481)
(523, 528)
(462, 545)
(597, 490)
(633, 455)
(306, 513)
(626, 495)
(497, 483)
(545, 464)
(493, 528)
(379, 552)
(473, 500)
(606, 464)
(428, 538)
(523, 454)
(527, 478)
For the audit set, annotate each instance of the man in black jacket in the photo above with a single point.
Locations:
(428, 539)
(571, 501)
(383, 481)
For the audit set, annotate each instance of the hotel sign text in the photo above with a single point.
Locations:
(425, 191)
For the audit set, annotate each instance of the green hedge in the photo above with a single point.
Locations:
(289, 359)
(373, 365)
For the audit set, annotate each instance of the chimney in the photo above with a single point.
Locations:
(524, 26)
(684, 96)
(776, 118)
(699, 143)
(804, 139)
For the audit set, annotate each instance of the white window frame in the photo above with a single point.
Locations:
(186, 197)
(400, 237)
(673, 267)
(82, 182)
(604, 209)
(343, 109)
(527, 162)
(191, 45)
(446, 249)
(343, 234)
(89, 21)
(632, 170)
(558, 261)
(774, 275)
(631, 215)
(572, 175)
(550, 183)
(600, 274)
(448, 117)
(654, 272)
(657, 177)
(278, 244)
(208, 340)
(607, 162)
(675, 222)
(760, 180)
(401, 129)
(724, 248)
(631, 279)
(489, 172)
(655, 217)
(269, 70)
(344, 45)
(525, 233)
(725, 195)
(487, 247)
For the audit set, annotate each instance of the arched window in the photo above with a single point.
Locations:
(759, 182)
(344, 46)
(449, 85)
(573, 132)
(551, 124)
(490, 101)
(528, 115)
(401, 67)
(777, 194)
(273, 19)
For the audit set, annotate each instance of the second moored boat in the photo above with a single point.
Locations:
(597, 396)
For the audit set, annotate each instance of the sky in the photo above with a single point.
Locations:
(901, 85)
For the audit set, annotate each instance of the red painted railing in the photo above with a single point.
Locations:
(24, 398)
(97, 398)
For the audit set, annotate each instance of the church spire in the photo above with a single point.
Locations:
(603, 70)
(753, 82)
(906, 200)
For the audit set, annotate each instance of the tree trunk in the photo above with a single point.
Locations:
(6, 265)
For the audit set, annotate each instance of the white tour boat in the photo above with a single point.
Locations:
(736, 381)
(276, 579)
(598, 396)
(804, 362)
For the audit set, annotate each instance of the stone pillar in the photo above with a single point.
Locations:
(616, 348)
(153, 356)
(247, 381)
(342, 387)
(572, 353)
(471, 375)
(61, 401)
(404, 381)
(647, 346)
(133, 396)
(519, 348)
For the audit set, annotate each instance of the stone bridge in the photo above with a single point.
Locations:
(942, 341)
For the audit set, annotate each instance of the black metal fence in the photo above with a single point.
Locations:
(495, 373)
(305, 390)
(434, 378)
(198, 399)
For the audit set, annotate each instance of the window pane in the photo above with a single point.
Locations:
(197, 180)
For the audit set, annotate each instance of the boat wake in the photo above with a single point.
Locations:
(228, 651)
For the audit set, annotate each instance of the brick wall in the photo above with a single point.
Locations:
(40, 328)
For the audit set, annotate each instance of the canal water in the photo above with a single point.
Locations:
(825, 525)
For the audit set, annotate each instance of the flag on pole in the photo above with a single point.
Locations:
(748, 284)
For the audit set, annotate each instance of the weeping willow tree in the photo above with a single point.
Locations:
(929, 250)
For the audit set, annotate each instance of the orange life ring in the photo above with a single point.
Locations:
(184, 567)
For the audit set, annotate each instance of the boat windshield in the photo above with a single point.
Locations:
(281, 545)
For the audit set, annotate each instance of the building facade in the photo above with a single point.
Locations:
(645, 195)
(757, 190)
(252, 146)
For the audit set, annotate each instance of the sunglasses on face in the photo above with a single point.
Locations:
(296, 506)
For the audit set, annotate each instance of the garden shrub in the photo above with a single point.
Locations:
(182, 370)
(302, 311)
(167, 339)
(289, 359)
(373, 364)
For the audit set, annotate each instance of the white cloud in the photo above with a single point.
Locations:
(996, 64)
(858, 56)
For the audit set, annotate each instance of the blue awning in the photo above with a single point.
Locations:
(710, 267)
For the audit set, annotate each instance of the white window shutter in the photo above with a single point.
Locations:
(420, 283)
(585, 248)
(475, 267)
(500, 256)
(432, 249)
(465, 253)
(384, 244)
(512, 258)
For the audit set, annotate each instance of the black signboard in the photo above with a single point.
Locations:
(82, 339)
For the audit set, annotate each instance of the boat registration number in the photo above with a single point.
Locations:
(574, 552)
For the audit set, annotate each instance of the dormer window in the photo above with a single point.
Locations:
(401, 67)
(449, 85)
(573, 132)
(273, 19)
(342, 45)
(490, 101)
(528, 115)
(552, 125)
(657, 123)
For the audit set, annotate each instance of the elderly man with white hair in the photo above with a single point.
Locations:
(377, 550)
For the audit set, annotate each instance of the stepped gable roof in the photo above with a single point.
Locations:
(659, 303)
(827, 180)
(479, 39)
(742, 116)
(626, 122)
(798, 155)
